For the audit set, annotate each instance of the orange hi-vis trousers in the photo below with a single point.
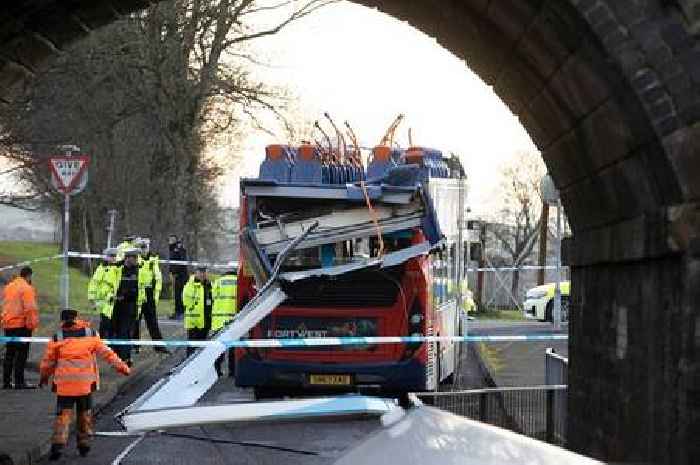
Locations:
(64, 416)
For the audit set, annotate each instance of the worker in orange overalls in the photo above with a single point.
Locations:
(70, 359)
(19, 318)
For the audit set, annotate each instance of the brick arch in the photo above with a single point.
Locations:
(609, 92)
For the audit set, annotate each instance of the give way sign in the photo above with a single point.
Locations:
(69, 174)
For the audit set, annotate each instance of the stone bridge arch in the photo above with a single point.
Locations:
(609, 90)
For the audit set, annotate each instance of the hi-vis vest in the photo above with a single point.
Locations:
(150, 275)
(106, 291)
(19, 308)
(193, 300)
(113, 277)
(70, 359)
(98, 290)
(224, 291)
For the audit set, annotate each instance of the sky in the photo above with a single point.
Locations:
(366, 67)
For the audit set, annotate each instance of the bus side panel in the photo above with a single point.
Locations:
(447, 316)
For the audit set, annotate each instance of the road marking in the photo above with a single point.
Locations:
(122, 455)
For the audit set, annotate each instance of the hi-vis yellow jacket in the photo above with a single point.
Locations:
(224, 291)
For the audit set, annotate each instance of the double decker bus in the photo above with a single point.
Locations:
(385, 260)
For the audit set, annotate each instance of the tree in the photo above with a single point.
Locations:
(147, 96)
(518, 216)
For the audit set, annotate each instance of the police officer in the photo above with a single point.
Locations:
(224, 291)
(96, 281)
(152, 281)
(198, 301)
(104, 292)
(70, 359)
(128, 297)
(178, 273)
(126, 244)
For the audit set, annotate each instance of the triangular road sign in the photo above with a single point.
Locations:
(67, 171)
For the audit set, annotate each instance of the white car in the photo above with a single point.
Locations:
(539, 302)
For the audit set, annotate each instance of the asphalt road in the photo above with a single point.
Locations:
(520, 328)
(517, 363)
(289, 443)
(305, 443)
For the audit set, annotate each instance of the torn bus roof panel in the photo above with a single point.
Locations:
(339, 219)
(387, 194)
(196, 375)
(339, 234)
(389, 260)
(351, 406)
(281, 212)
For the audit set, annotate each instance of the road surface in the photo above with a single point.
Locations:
(518, 363)
(274, 444)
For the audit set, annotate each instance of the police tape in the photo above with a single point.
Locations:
(518, 268)
(30, 262)
(230, 264)
(234, 264)
(311, 342)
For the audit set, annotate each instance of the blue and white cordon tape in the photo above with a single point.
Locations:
(313, 342)
(234, 264)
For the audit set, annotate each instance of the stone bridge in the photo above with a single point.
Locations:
(609, 90)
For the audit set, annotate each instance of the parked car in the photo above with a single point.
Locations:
(539, 302)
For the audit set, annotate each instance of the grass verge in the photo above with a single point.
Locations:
(47, 274)
(510, 315)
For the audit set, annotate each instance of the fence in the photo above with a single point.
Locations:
(532, 411)
(556, 368)
(497, 290)
(556, 372)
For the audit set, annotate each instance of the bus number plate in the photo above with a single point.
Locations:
(332, 380)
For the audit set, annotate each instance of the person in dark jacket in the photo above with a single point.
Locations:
(129, 297)
(179, 274)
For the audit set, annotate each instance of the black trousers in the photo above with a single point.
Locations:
(196, 334)
(148, 313)
(16, 354)
(105, 327)
(178, 285)
(123, 320)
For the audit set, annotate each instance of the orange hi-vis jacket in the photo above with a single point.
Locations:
(19, 308)
(71, 359)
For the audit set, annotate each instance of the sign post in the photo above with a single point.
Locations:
(69, 176)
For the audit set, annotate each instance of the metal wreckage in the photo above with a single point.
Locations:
(314, 196)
